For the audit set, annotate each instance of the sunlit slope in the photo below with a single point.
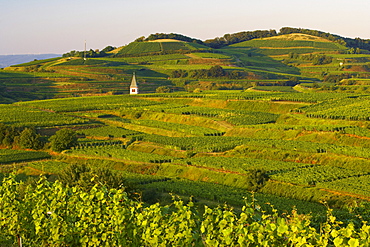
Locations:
(309, 144)
(307, 57)
(296, 43)
(284, 60)
(159, 47)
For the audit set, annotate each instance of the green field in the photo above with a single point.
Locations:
(288, 44)
(142, 48)
(24, 116)
(11, 156)
(282, 120)
(253, 63)
(306, 143)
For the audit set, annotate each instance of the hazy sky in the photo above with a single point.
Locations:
(59, 26)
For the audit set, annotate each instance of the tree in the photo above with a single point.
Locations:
(216, 71)
(108, 48)
(86, 177)
(8, 135)
(8, 141)
(29, 139)
(256, 179)
(140, 39)
(63, 139)
(3, 129)
(292, 81)
(163, 89)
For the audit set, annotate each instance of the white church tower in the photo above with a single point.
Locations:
(133, 87)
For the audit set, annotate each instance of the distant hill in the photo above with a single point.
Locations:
(160, 46)
(229, 39)
(292, 43)
(8, 60)
(306, 60)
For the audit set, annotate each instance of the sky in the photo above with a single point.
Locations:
(60, 26)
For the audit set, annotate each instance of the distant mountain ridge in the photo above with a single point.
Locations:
(8, 60)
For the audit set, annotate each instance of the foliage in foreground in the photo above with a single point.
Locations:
(50, 214)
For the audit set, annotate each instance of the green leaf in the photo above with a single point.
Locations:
(100, 195)
(338, 241)
(353, 242)
(282, 229)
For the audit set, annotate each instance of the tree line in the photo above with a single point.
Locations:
(229, 39)
(316, 59)
(214, 72)
(90, 53)
(349, 42)
(28, 138)
(168, 36)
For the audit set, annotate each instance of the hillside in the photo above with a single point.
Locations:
(277, 127)
(159, 47)
(281, 60)
(292, 149)
(8, 60)
(160, 60)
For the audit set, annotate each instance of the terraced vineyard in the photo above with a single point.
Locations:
(283, 60)
(196, 137)
(292, 128)
(8, 156)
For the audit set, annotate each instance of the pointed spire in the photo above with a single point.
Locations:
(133, 87)
(133, 81)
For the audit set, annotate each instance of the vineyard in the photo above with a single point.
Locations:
(18, 116)
(145, 48)
(216, 132)
(281, 61)
(52, 214)
(11, 156)
(281, 134)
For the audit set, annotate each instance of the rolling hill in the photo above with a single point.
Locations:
(160, 46)
(280, 60)
(268, 123)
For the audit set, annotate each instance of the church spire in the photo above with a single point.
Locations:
(133, 87)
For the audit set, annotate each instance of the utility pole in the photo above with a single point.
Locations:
(85, 51)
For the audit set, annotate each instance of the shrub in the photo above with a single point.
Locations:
(29, 139)
(63, 139)
(163, 89)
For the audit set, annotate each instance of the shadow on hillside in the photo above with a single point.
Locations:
(25, 86)
(92, 62)
(253, 58)
(20, 86)
(142, 71)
